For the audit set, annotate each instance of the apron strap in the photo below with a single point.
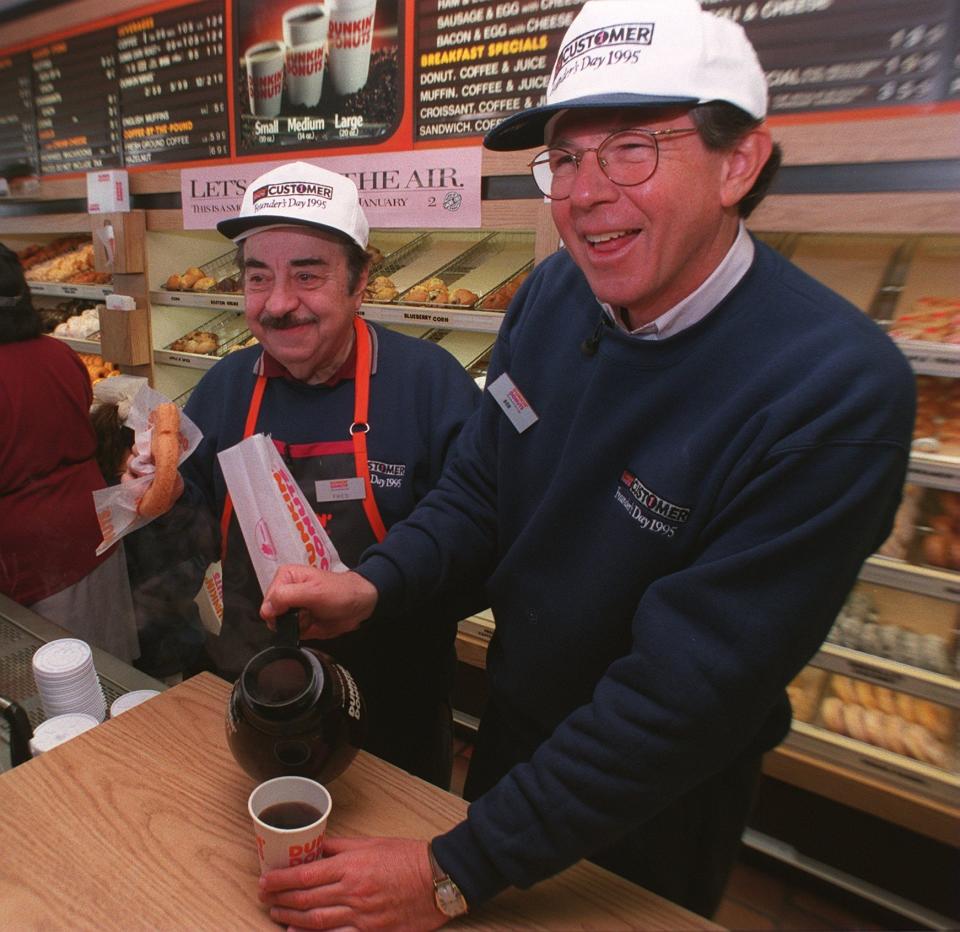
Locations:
(358, 431)
(360, 427)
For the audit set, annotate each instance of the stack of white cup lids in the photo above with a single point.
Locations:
(130, 699)
(66, 679)
(58, 729)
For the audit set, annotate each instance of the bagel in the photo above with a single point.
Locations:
(165, 448)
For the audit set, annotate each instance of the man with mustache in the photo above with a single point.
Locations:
(686, 449)
(341, 399)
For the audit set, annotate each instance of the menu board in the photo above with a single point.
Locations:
(171, 68)
(311, 76)
(476, 63)
(841, 54)
(76, 101)
(18, 131)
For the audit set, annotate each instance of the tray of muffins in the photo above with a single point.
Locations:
(418, 261)
(467, 279)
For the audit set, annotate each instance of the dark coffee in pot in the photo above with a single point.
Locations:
(290, 815)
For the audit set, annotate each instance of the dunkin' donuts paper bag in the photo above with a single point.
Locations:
(278, 523)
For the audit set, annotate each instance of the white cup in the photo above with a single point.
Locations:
(305, 34)
(265, 77)
(350, 36)
(299, 802)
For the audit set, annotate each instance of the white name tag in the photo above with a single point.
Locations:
(340, 490)
(511, 400)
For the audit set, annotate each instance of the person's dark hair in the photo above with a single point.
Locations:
(720, 125)
(357, 260)
(114, 442)
(18, 319)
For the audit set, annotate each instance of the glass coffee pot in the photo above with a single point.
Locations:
(294, 710)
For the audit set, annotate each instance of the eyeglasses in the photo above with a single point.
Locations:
(628, 157)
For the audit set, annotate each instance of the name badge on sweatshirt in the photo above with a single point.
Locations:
(340, 490)
(514, 405)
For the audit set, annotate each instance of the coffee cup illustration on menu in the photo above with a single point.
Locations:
(265, 74)
(305, 36)
(350, 38)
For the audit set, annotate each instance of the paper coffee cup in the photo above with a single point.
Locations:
(350, 37)
(289, 821)
(305, 34)
(265, 62)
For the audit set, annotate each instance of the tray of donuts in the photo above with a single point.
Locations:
(470, 277)
(894, 721)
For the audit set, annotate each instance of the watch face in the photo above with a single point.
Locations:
(450, 900)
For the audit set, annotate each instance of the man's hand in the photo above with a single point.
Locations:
(334, 603)
(359, 883)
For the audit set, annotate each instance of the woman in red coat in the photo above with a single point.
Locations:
(48, 473)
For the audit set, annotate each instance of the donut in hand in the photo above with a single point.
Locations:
(165, 448)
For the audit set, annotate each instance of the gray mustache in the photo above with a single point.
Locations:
(280, 323)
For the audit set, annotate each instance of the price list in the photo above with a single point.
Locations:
(476, 63)
(18, 131)
(76, 102)
(837, 54)
(171, 69)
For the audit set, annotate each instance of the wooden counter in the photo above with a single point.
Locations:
(141, 823)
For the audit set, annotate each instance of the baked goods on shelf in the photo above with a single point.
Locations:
(937, 424)
(196, 280)
(941, 546)
(893, 720)
(934, 318)
(250, 341)
(464, 296)
(859, 626)
(500, 299)
(75, 267)
(39, 253)
(897, 545)
(380, 289)
(97, 368)
(80, 326)
(202, 342)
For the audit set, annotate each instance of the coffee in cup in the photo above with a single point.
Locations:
(289, 821)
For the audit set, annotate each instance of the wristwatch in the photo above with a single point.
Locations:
(446, 893)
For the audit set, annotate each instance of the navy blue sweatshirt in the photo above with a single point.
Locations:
(663, 550)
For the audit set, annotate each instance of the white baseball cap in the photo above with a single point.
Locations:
(642, 53)
(300, 194)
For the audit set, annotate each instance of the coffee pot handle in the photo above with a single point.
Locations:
(20, 731)
(288, 628)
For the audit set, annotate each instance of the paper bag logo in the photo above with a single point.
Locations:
(303, 521)
(265, 541)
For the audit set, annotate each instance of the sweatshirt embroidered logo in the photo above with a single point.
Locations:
(651, 511)
(387, 475)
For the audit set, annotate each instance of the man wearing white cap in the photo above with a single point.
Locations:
(686, 450)
(342, 400)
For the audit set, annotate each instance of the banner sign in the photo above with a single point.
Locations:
(438, 188)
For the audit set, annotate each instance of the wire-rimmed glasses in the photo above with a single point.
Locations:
(627, 157)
